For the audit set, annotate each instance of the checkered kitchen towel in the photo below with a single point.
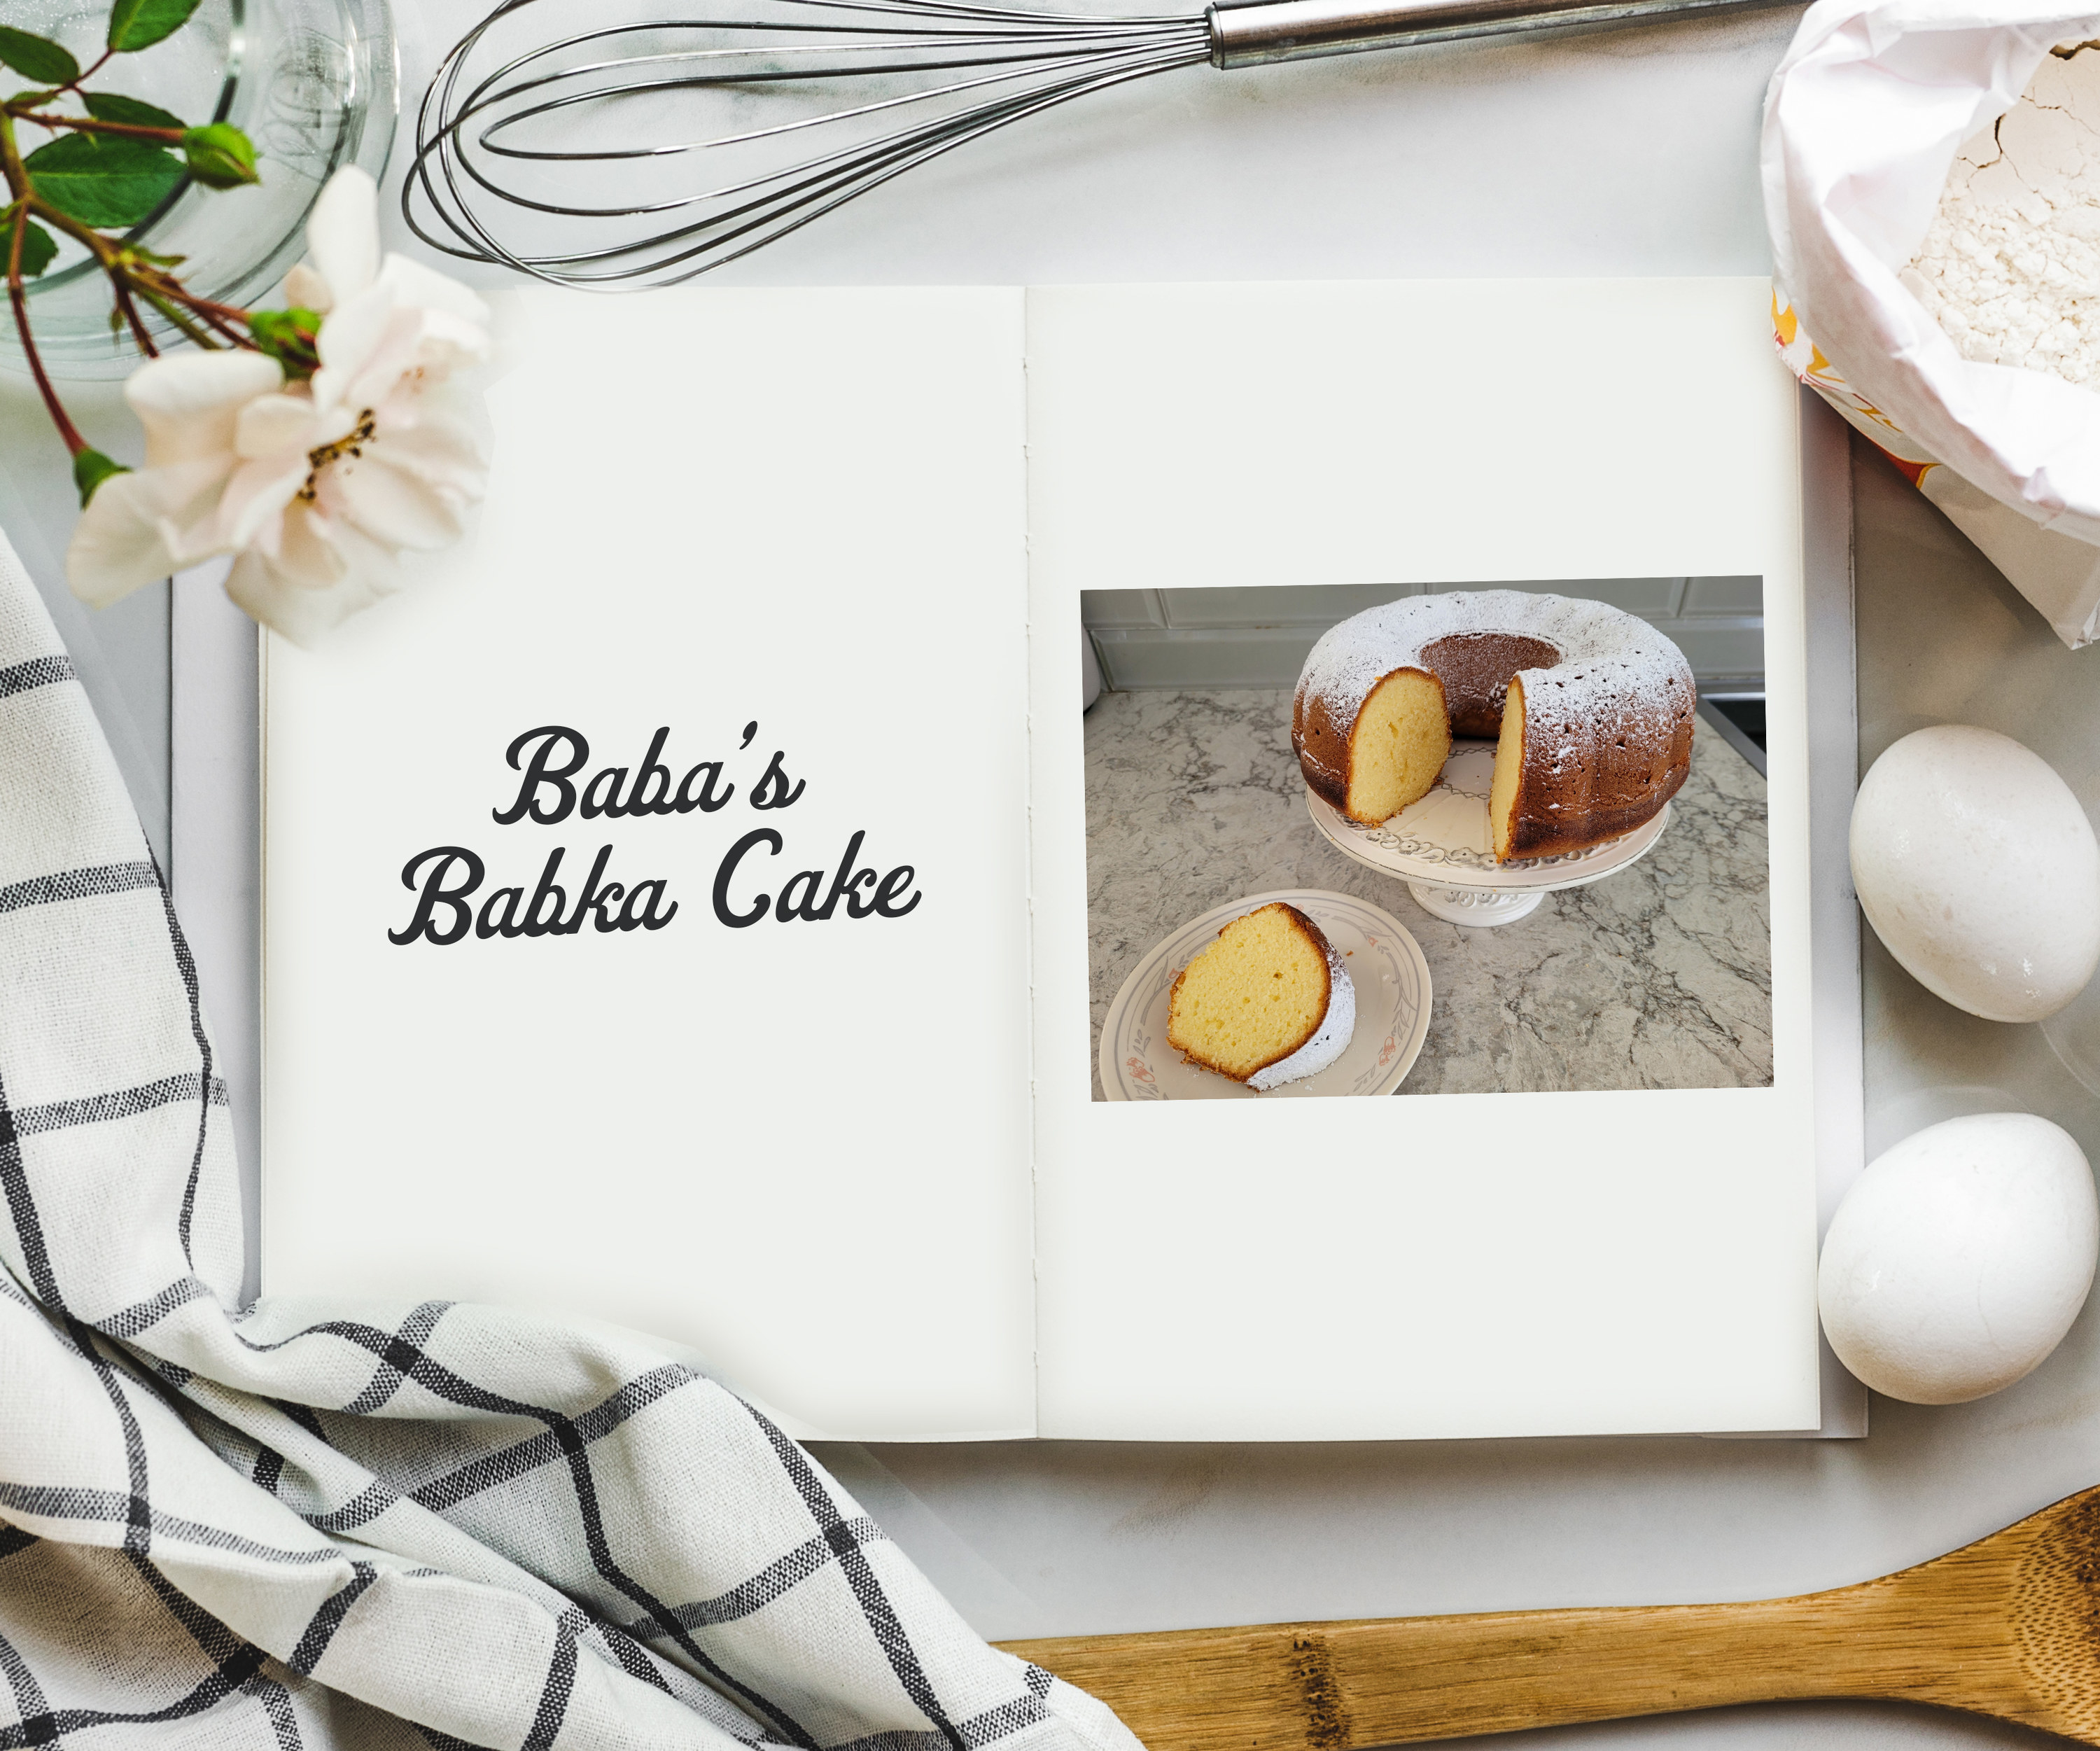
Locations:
(355, 1525)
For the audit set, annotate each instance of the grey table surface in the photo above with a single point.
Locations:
(1625, 154)
(1659, 977)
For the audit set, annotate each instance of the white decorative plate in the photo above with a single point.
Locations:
(1385, 964)
(1446, 838)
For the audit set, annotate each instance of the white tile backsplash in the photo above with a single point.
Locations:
(1259, 637)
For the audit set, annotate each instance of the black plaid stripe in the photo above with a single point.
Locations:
(22, 1210)
(314, 1640)
(142, 1315)
(537, 1450)
(137, 1513)
(585, 1487)
(773, 1581)
(397, 1357)
(627, 1653)
(569, 1443)
(988, 1728)
(875, 1609)
(38, 672)
(29, 1695)
(366, 1505)
(277, 1707)
(78, 885)
(122, 1103)
(48, 1726)
(178, 945)
(101, 1506)
(554, 1694)
(269, 1469)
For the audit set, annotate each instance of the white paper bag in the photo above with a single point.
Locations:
(1863, 121)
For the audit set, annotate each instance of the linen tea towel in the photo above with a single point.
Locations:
(309, 1525)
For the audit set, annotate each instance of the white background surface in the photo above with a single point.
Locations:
(1625, 154)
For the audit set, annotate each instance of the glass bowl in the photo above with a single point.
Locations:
(313, 83)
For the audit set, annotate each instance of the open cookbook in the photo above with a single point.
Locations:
(701, 905)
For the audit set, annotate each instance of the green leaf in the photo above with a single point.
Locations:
(113, 106)
(38, 247)
(38, 58)
(219, 156)
(90, 468)
(104, 181)
(140, 23)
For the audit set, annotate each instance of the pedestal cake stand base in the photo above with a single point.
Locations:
(1441, 847)
(1475, 907)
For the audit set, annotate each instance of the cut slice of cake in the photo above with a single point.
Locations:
(1400, 740)
(1507, 786)
(1268, 1003)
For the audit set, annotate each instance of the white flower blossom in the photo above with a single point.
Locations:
(316, 488)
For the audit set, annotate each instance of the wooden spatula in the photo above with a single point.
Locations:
(2009, 1626)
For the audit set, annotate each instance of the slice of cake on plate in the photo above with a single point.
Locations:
(1268, 1003)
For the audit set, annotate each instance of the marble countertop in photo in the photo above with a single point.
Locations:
(1657, 976)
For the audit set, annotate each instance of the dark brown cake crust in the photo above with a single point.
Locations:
(1589, 787)
(1321, 742)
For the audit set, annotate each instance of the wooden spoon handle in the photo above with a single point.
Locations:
(1333, 1686)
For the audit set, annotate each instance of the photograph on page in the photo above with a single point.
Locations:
(1373, 839)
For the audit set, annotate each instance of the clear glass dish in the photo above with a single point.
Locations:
(313, 83)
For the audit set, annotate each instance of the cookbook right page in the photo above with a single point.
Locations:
(1552, 1174)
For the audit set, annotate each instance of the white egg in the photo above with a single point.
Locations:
(1978, 869)
(1959, 1259)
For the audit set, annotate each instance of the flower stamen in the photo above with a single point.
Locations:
(352, 442)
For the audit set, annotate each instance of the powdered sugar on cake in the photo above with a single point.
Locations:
(1329, 1040)
(1610, 660)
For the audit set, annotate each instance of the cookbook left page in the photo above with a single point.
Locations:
(646, 892)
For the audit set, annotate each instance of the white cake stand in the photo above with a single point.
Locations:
(1442, 848)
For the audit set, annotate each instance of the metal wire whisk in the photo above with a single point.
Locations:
(643, 153)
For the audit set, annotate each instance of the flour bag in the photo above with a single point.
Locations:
(1957, 329)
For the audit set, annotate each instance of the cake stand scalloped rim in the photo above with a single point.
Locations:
(1145, 984)
(1576, 870)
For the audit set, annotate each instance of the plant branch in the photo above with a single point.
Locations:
(10, 159)
(163, 291)
(217, 326)
(74, 83)
(204, 306)
(86, 125)
(98, 245)
(130, 311)
(68, 431)
(191, 331)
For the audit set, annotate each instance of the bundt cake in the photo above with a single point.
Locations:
(1268, 1003)
(1592, 708)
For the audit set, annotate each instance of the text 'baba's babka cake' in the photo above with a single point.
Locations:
(1592, 709)
(1268, 1003)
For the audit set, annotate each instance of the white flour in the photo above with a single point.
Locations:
(2010, 266)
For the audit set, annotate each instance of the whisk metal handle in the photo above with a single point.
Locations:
(1249, 32)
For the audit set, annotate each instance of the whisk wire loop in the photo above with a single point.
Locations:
(489, 183)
